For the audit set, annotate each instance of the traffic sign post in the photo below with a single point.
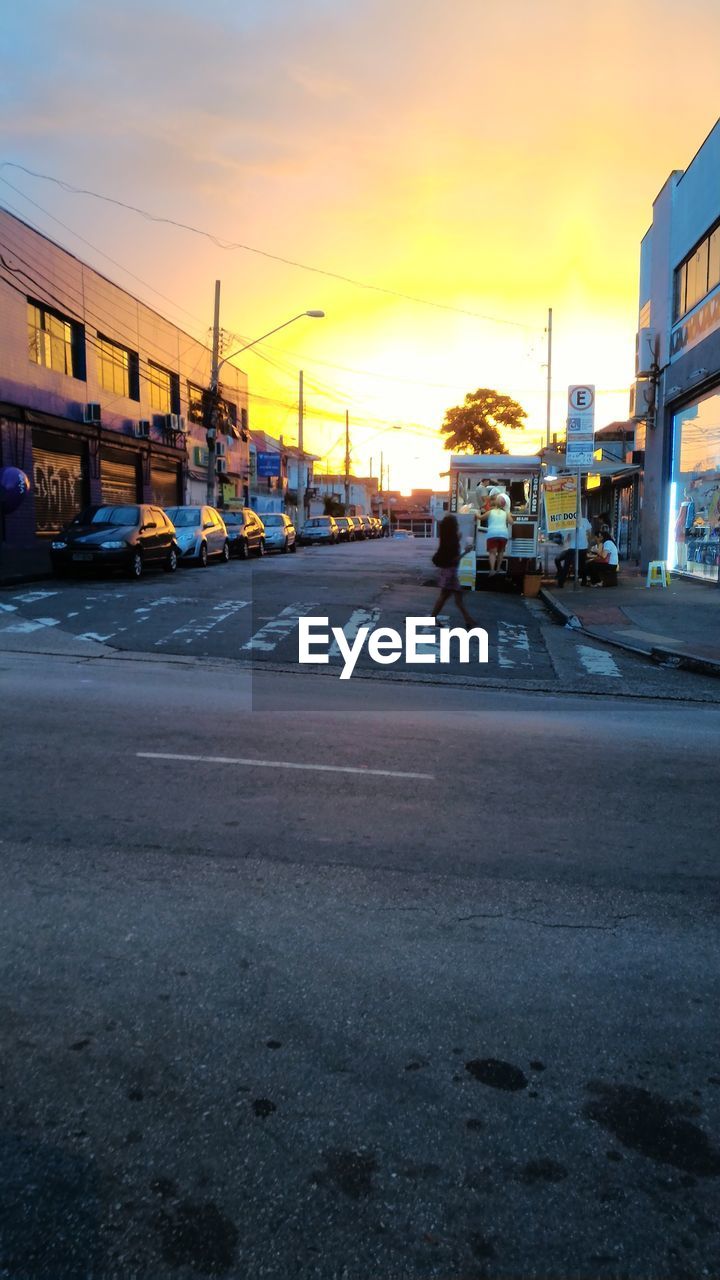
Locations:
(580, 446)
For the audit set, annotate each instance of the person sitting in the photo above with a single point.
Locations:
(602, 570)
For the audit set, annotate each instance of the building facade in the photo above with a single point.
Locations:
(100, 396)
(679, 369)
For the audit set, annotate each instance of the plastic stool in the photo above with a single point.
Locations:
(657, 573)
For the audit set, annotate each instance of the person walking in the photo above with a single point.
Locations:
(498, 532)
(447, 559)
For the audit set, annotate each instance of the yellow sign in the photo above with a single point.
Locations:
(560, 503)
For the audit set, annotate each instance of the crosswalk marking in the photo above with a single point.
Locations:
(359, 618)
(24, 627)
(271, 635)
(197, 628)
(513, 645)
(32, 597)
(597, 662)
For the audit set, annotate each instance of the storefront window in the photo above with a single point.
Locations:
(694, 523)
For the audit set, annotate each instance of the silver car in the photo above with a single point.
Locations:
(201, 534)
(280, 533)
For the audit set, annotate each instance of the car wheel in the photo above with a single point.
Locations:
(243, 552)
(226, 552)
(294, 545)
(136, 565)
(261, 547)
(203, 556)
(171, 563)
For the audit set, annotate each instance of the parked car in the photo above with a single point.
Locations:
(403, 533)
(377, 526)
(358, 527)
(280, 532)
(201, 534)
(320, 529)
(246, 532)
(369, 527)
(346, 525)
(111, 536)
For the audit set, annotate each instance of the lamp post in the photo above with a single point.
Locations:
(212, 404)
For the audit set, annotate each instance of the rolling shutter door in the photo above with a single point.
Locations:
(118, 477)
(58, 481)
(165, 485)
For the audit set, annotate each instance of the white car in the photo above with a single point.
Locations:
(280, 533)
(200, 533)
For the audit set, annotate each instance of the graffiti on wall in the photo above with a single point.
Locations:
(58, 491)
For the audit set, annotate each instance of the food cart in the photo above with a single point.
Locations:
(475, 479)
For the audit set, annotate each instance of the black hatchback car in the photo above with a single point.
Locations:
(130, 538)
(245, 531)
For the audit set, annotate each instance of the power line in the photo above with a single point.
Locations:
(263, 253)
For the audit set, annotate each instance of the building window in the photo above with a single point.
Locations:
(54, 341)
(164, 389)
(697, 275)
(694, 507)
(119, 373)
(195, 408)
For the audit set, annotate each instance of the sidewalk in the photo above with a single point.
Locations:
(678, 626)
(23, 564)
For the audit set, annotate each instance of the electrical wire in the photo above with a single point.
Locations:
(274, 257)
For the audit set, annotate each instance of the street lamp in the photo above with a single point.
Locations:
(314, 315)
(215, 380)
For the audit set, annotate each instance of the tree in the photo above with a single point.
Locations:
(474, 427)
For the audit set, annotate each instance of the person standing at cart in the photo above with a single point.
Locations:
(446, 559)
(498, 532)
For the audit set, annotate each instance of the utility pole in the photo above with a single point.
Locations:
(549, 377)
(301, 460)
(382, 505)
(347, 458)
(211, 399)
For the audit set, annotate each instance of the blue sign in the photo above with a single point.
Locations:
(268, 464)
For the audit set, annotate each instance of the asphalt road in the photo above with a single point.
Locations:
(248, 613)
(440, 1002)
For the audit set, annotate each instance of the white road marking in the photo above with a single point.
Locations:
(31, 597)
(196, 628)
(283, 764)
(597, 662)
(73, 615)
(93, 635)
(271, 635)
(8, 608)
(163, 600)
(513, 645)
(359, 618)
(29, 624)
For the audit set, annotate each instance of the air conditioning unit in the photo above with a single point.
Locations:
(219, 449)
(645, 352)
(91, 413)
(142, 429)
(173, 422)
(641, 396)
(221, 466)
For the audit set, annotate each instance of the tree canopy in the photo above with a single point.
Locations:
(475, 425)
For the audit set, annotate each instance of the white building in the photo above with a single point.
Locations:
(680, 318)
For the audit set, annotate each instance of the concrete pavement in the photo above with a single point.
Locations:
(679, 624)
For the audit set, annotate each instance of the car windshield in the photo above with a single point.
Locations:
(183, 517)
(232, 517)
(273, 522)
(318, 524)
(109, 515)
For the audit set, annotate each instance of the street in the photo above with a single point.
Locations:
(394, 977)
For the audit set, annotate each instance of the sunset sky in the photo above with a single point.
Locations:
(492, 157)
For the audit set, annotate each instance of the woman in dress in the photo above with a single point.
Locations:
(447, 559)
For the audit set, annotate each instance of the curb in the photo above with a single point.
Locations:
(677, 658)
(20, 579)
